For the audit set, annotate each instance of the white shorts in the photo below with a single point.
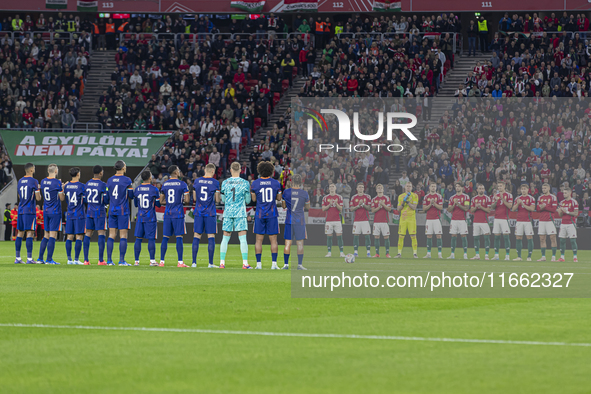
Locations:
(381, 229)
(458, 227)
(501, 226)
(546, 228)
(524, 228)
(567, 231)
(479, 229)
(361, 228)
(331, 227)
(433, 227)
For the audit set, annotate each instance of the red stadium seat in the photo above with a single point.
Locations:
(284, 85)
(276, 98)
(257, 124)
(215, 63)
(294, 71)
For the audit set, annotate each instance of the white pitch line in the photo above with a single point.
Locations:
(296, 334)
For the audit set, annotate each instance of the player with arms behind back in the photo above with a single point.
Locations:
(206, 194)
(502, 203)
(380, 207)
(524, 204)
(332, 204)
(146, 198)
(360, 204)
(235, 196)
(295, 199)
(547, 205)
(433, 205)
(28, 194)
(174, 193)
(407, 206)
(53, 195)
(569, 211)
(120, 192)
(75, 215)
(96, 215)
(480, 209)
(459, 204)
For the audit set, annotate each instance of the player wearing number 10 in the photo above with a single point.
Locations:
(75, 215)
(120, 192)
(206, 194)
(173, 194)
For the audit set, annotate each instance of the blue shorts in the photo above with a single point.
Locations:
(295, 231)
(75, 226)
(96, 223)
(53, 222)
(174, 227)
(266, 226)
(205, 224)
(120, 222)
(235, 224)
(26, 222)
(147, 230)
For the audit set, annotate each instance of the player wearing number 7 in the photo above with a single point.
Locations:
(173, 194)
(120, 192)
(75, 215)
(206, 194)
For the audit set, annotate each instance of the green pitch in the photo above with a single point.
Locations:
(68, 360)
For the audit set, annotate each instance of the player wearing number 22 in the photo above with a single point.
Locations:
(146, 198)
(120, 192)
(96, 215)
(75, 215)
(173, 194)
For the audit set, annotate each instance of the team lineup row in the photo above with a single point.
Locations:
(99, 206)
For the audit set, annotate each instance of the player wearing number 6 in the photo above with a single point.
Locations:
(173, 194)
(120, 192)
(146, 198)
(206, 194)
(75, 215)
(96, 215)
(266, 191)
(53, 195)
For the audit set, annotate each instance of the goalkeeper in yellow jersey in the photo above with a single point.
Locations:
(407, 206)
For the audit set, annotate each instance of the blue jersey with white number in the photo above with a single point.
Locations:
(205, 189)
(50, 189)
(145, 197)
(75, 192)
(96, 198)
(27, 187)
(174, 191)
(120, 190)
(266, 191)
(295, 201)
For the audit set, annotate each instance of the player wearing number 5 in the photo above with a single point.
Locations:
(53, 195)
(174, 193)
(120, 193)
(75, 215)
(206, 194)
(266, 191)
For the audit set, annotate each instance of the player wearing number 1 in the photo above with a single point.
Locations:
(120, 192)
(96, 216)
(174, 193)
(53, 195)
(28, 193)
(146, 199)
(75, 215)
(206, 193)
(407, 206)
(569, 211)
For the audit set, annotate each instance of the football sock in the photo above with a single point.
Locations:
(50, 248)
(152, 248)
(400, 243)
(562, 246)
(487, 243)
(274, 257)
(414, 244)
(573, 245)
(553, 251)
(122, 248)
(497, 243)
(211, 248)
(42, 247)
(163, 248)
(243, 247)
(137, 248)
(87, 247)
(329, 243)
(387, 245)
(477, 244)
(507, 243)
(258, 256)
(356, 242)
(300, 259)
(195, 249)
(224, 247)
(285, 259)
(429, 244)
(519, 245)
(69, 249)
(454, 240)
(439, 244)
(530, 247)
(340, 239)
(77, 249)
(110, 245)
(377, 241)
(29, 244)
(101, 246)
(179, 248)
(368, 243)
(465, 244)
(17, 245)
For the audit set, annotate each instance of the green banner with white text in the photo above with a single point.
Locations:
(81, 149)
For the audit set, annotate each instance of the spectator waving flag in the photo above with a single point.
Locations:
(386, 5)
(249, 5)
(300, 5)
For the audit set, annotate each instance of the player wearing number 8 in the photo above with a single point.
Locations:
(206, 194)
(75, 215)
(120, 192)
(174, 193)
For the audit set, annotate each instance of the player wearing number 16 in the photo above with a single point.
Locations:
(146, 198)
(75, 215)
(206, 194)
(174, 193)
(120, 192)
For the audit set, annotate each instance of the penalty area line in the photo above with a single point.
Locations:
(294, 334)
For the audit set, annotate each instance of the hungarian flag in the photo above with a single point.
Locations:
(56, 4)
(253, 6)
(300, 5)
(87, 6)
(386, 5)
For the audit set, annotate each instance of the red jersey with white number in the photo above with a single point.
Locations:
(479, 215)
(501, 210)
(435, 198)
(332, 214)
(522, 213)
(361, 214)
(569, 206)
(551, 203)
(381, 215)
(460, 200)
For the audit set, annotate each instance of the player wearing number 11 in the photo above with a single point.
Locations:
(28, 193)
(75, 215)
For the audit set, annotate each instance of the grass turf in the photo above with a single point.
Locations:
(61, 360)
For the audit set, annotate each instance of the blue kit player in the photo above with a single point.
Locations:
(120, 193)
(266, 191)
(295, 199)
(26, 223)
(146, 200)
(96, 214)
(75, 215)
(174, 193)
(206, 194)
(235, 196)
(53, 195)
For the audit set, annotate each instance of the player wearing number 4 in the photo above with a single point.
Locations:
(120, 192)
(53, 195)
(75, 215)
(459, 204)
(524, 204)
(96, 215)
(146, 199)
(28, 193)
(206, 194)
(266, 191)
(569, 211)
(173, 194)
